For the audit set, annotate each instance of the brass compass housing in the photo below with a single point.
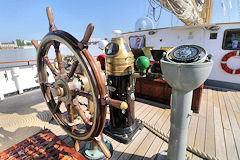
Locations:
(119, 58)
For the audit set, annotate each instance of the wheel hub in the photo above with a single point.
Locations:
(62, 90)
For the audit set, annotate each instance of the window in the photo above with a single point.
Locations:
(111, 49)
(231, 39)
(213, 36)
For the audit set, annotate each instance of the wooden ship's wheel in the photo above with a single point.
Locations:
(75, 95)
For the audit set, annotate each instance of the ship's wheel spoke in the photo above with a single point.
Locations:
(81, 112)
(72, 123)
(59, 58)
(73, 69)
(83, 94)
(102, 146)
(56, 108)
(50, 84)
(62, 117)
(52, 69)
(48, 94)
(70, 115)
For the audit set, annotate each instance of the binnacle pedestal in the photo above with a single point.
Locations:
(122, 125)
(184, 68)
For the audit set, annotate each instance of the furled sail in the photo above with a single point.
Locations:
(190, 12)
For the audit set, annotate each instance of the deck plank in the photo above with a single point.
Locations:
(219, 134)
(230, 145)
(132, 148)
(165, 128)
(192, 133)
(228, 135)
(210, 138)
(237, 114)
(201, 126)
(233, 102)
(236, 99)
(122, 147)
(233, 122)
(163, 124)
(155, 146)
(224, 114)
(138, 106)
(141, 150)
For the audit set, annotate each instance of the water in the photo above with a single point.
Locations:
(30, 54)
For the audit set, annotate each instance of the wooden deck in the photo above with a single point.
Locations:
(215, 130)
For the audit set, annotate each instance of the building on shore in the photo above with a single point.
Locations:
(8, 45)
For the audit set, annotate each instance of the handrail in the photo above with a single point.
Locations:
(20, 61)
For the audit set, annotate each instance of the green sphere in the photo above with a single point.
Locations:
(142, 63)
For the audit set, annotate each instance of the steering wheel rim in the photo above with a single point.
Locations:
(97, 87)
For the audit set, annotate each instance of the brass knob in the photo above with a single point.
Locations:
(124, 105)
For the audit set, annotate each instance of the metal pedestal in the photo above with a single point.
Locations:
(122, 126)
(123, 135)
(93, 152)
(185, 68)
(180, 116)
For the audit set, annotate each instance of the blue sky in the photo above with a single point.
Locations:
(26, 19)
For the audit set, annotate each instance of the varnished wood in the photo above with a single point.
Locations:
(59, 58)
(35, 44)
(88, 33)
(80, 112)
(52, 69)
(206, 13)
(73, 69)
(52, 26)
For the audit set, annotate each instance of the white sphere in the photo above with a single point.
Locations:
(144, 23)
(102, 44)
(116, 32)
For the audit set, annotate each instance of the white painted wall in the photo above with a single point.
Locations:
(18, 79)
(200, 36)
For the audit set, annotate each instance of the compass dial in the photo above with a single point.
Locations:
(185, 53)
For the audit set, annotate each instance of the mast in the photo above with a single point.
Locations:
(209, 12)
(206, 12)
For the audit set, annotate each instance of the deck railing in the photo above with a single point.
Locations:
(27, 62)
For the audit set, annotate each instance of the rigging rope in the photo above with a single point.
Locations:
(154, 6)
